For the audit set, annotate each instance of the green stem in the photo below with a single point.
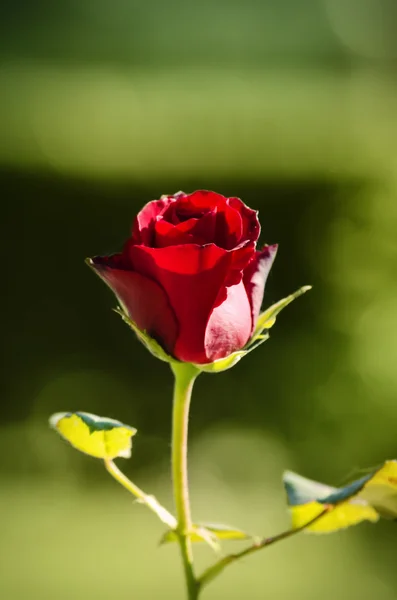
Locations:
(185, 375)
(150, 501)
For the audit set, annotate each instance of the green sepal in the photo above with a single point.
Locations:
(150, 343)
(267, 319)
(223, 363)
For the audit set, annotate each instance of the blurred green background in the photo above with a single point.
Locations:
(106, 105)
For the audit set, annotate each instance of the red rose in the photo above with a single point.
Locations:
(190, 275)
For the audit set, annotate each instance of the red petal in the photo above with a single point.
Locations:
(251, 226)
(255, 276)
(143, 228)
(193, 231)
(241, 258)
(200, 202)
(229, 228)
(230, 325)
(201, 229)
(142, 299)
(167, 234)
(192, 277)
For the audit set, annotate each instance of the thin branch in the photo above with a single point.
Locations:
(219, 566)
(150, 501)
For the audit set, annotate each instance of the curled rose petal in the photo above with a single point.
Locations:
(255, 277)
(143, 300)
(249, 217)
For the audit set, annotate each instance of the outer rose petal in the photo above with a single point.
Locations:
(192, 277)
(142, 299)
(255, 276)
(230, 324)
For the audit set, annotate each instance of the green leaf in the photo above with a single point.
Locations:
(365, 499)
(100, 437)
(150, 343)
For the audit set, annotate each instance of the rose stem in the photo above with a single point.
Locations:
(185, 375)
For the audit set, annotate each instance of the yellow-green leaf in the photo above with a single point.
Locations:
(97, 436)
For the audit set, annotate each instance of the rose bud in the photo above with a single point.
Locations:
(190, 275)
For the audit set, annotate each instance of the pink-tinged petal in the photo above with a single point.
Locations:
(142, 299)
(230, 324)
(192, 276)
(143, 228)
(255, 276)
(251, 226)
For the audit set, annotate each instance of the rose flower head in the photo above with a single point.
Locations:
(190, 275)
